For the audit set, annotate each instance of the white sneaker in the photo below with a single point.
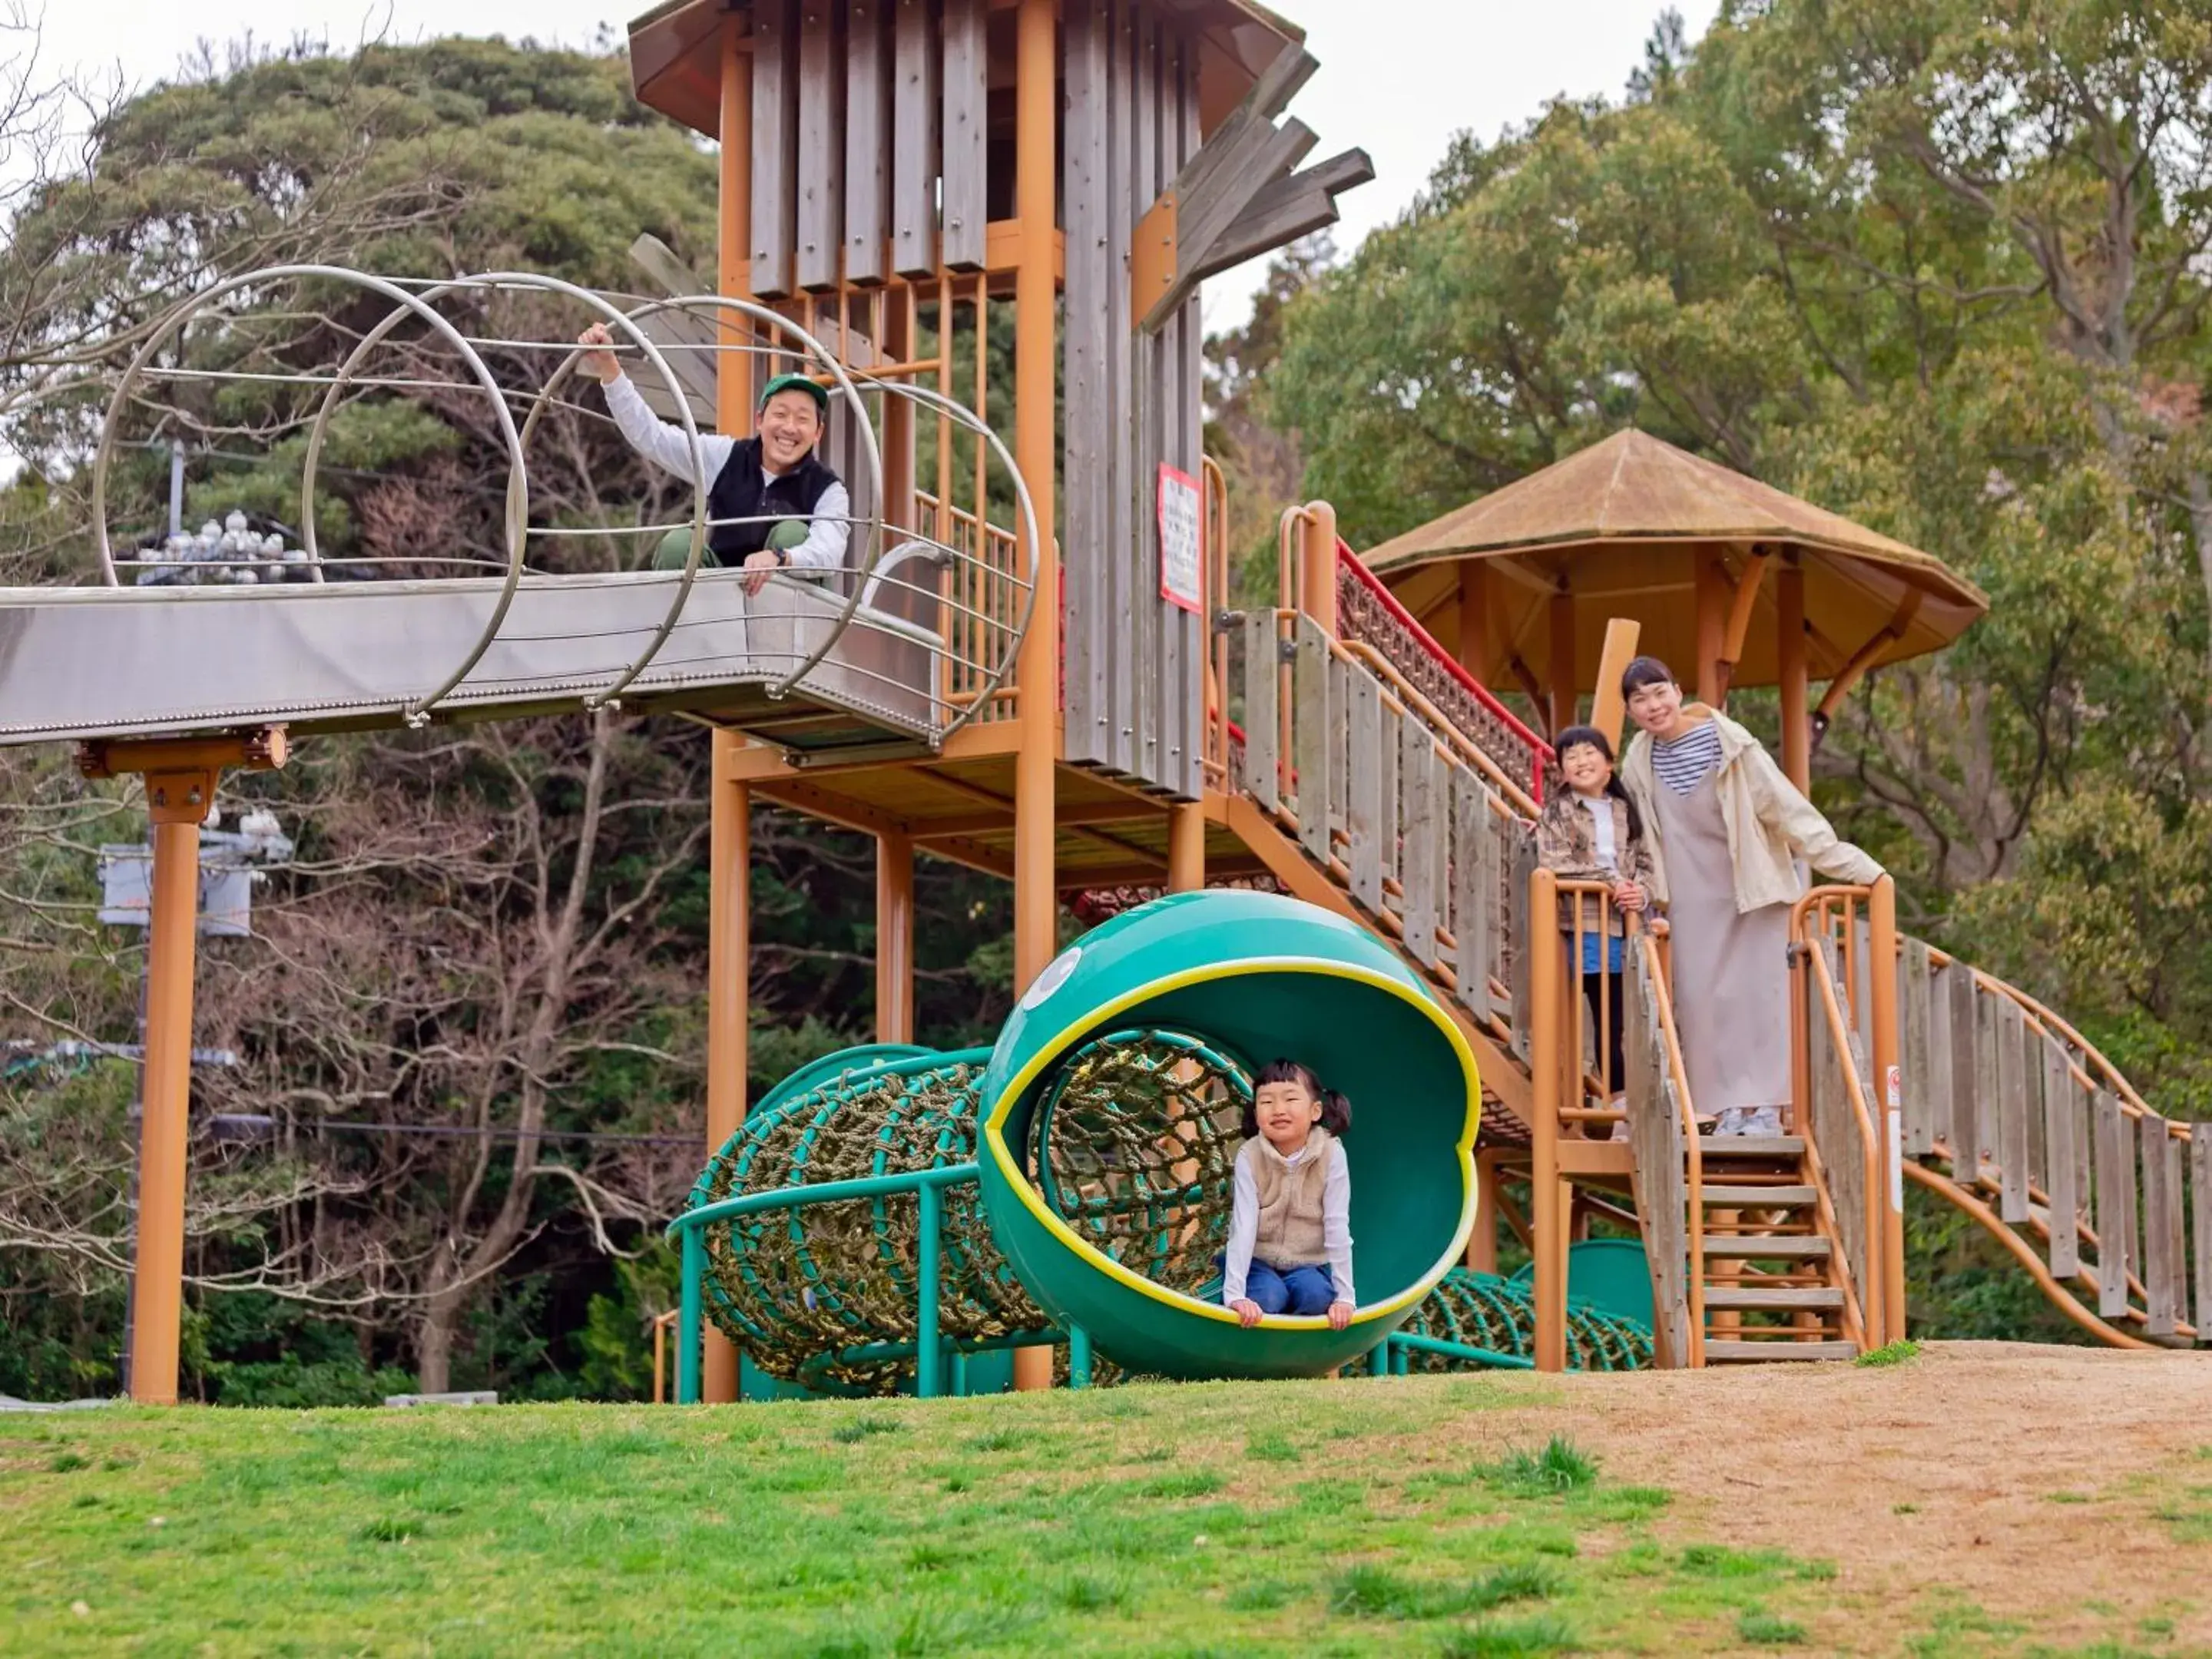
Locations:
(1749, 1120)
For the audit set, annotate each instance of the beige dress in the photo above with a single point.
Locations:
(1731, 968)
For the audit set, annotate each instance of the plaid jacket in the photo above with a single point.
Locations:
(1566, 847)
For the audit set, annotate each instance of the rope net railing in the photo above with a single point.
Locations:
(1136, 1145)
(1481, 1310)
(1133, 1143)
(475, 381)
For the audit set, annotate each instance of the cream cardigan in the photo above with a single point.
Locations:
(1769, 825)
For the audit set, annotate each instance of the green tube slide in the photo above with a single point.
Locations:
(1209, 985)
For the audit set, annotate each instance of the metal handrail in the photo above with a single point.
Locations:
(689, 1229)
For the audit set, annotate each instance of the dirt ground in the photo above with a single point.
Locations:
(2065, 1492)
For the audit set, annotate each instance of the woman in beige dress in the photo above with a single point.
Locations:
(1727, 830)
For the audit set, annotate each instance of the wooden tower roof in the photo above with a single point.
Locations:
(674, 67)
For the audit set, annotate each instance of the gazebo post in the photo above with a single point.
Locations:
(1474, 619)
(1713, 596)
(1563, 662)
(1790, 653)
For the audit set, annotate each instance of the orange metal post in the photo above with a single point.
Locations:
(176, 802)
(1562, 621)
(734, 369)
(1712, 597)
(1482, 1243)
(1881, 975)
(1185, 846)
(1796, 697)
(1547, 1060)
(1317, 565)
(1036, 763)
(729, 945)
(1622, 634)
(894, 939)
(729, 965)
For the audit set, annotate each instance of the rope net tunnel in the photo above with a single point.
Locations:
(1105, 1200)
(1138, 1146)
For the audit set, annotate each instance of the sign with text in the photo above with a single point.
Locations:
(1181, 579)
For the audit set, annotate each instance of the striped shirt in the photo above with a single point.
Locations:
(1685, 762)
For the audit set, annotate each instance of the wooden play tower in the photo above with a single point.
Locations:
(903, 172)
(910, 188)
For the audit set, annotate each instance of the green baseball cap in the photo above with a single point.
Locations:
(805, 383)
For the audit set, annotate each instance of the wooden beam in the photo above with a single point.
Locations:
(1712, 624)
(1622, 635)
(1563, 662)
(1295, 205)
(1001, 823)
(1203, 213)
(1862, 659)
(849, 814)
(1739, 617)
(1474, 619)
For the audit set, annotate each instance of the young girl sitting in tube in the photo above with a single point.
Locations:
(1290, 1230)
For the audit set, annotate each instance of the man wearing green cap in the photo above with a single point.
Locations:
(771, 503)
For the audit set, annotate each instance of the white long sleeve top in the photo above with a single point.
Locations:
(1335, 1224)
(665, 446)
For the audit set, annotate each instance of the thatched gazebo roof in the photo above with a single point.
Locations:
(1633, 526)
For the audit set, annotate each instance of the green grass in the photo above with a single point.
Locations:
(1890, 1353)
(1762, 1629)
(1268, 1519)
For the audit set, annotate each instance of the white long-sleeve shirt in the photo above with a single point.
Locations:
(668, 448)
(1335, 1224)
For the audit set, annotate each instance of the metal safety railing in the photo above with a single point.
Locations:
(927, 1349)
(928, 568)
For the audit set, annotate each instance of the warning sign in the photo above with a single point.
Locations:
(1181, 580)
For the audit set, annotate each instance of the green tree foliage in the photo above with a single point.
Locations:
(493, 937)
(1938, 266)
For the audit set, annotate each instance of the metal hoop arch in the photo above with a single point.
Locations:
(189, 307)
(777, 321)
(518, 511)
(966, 416)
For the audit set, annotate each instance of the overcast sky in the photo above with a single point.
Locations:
(1397, 76)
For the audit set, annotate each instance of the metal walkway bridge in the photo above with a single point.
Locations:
(913, 638)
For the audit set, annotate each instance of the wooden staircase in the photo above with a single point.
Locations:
(1375, 778)
(1772, 1286)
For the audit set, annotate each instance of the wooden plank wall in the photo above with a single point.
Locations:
(869, 141)
(1135, 663)
(1655, 1130)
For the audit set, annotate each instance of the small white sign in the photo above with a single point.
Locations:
(1181, 578)
(1054, 975)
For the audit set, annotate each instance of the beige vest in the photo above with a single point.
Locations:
(1290, 1233)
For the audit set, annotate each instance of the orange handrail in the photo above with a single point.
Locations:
(1872, 1297)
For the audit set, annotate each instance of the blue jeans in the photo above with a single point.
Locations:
(1299, 1290)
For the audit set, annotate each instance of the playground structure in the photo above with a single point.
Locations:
(1057, 711)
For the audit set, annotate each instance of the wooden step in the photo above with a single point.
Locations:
(1712, 1146)
(1746, 1197)
(1792, 1249)
(1718, 1296)
(1724, 1353)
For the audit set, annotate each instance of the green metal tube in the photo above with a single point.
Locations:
(1079, 1357)
(689, 1335)
(827, 1192)
(929, 1354)
(1404, 1341)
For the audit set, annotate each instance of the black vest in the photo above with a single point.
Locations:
(738, 493)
